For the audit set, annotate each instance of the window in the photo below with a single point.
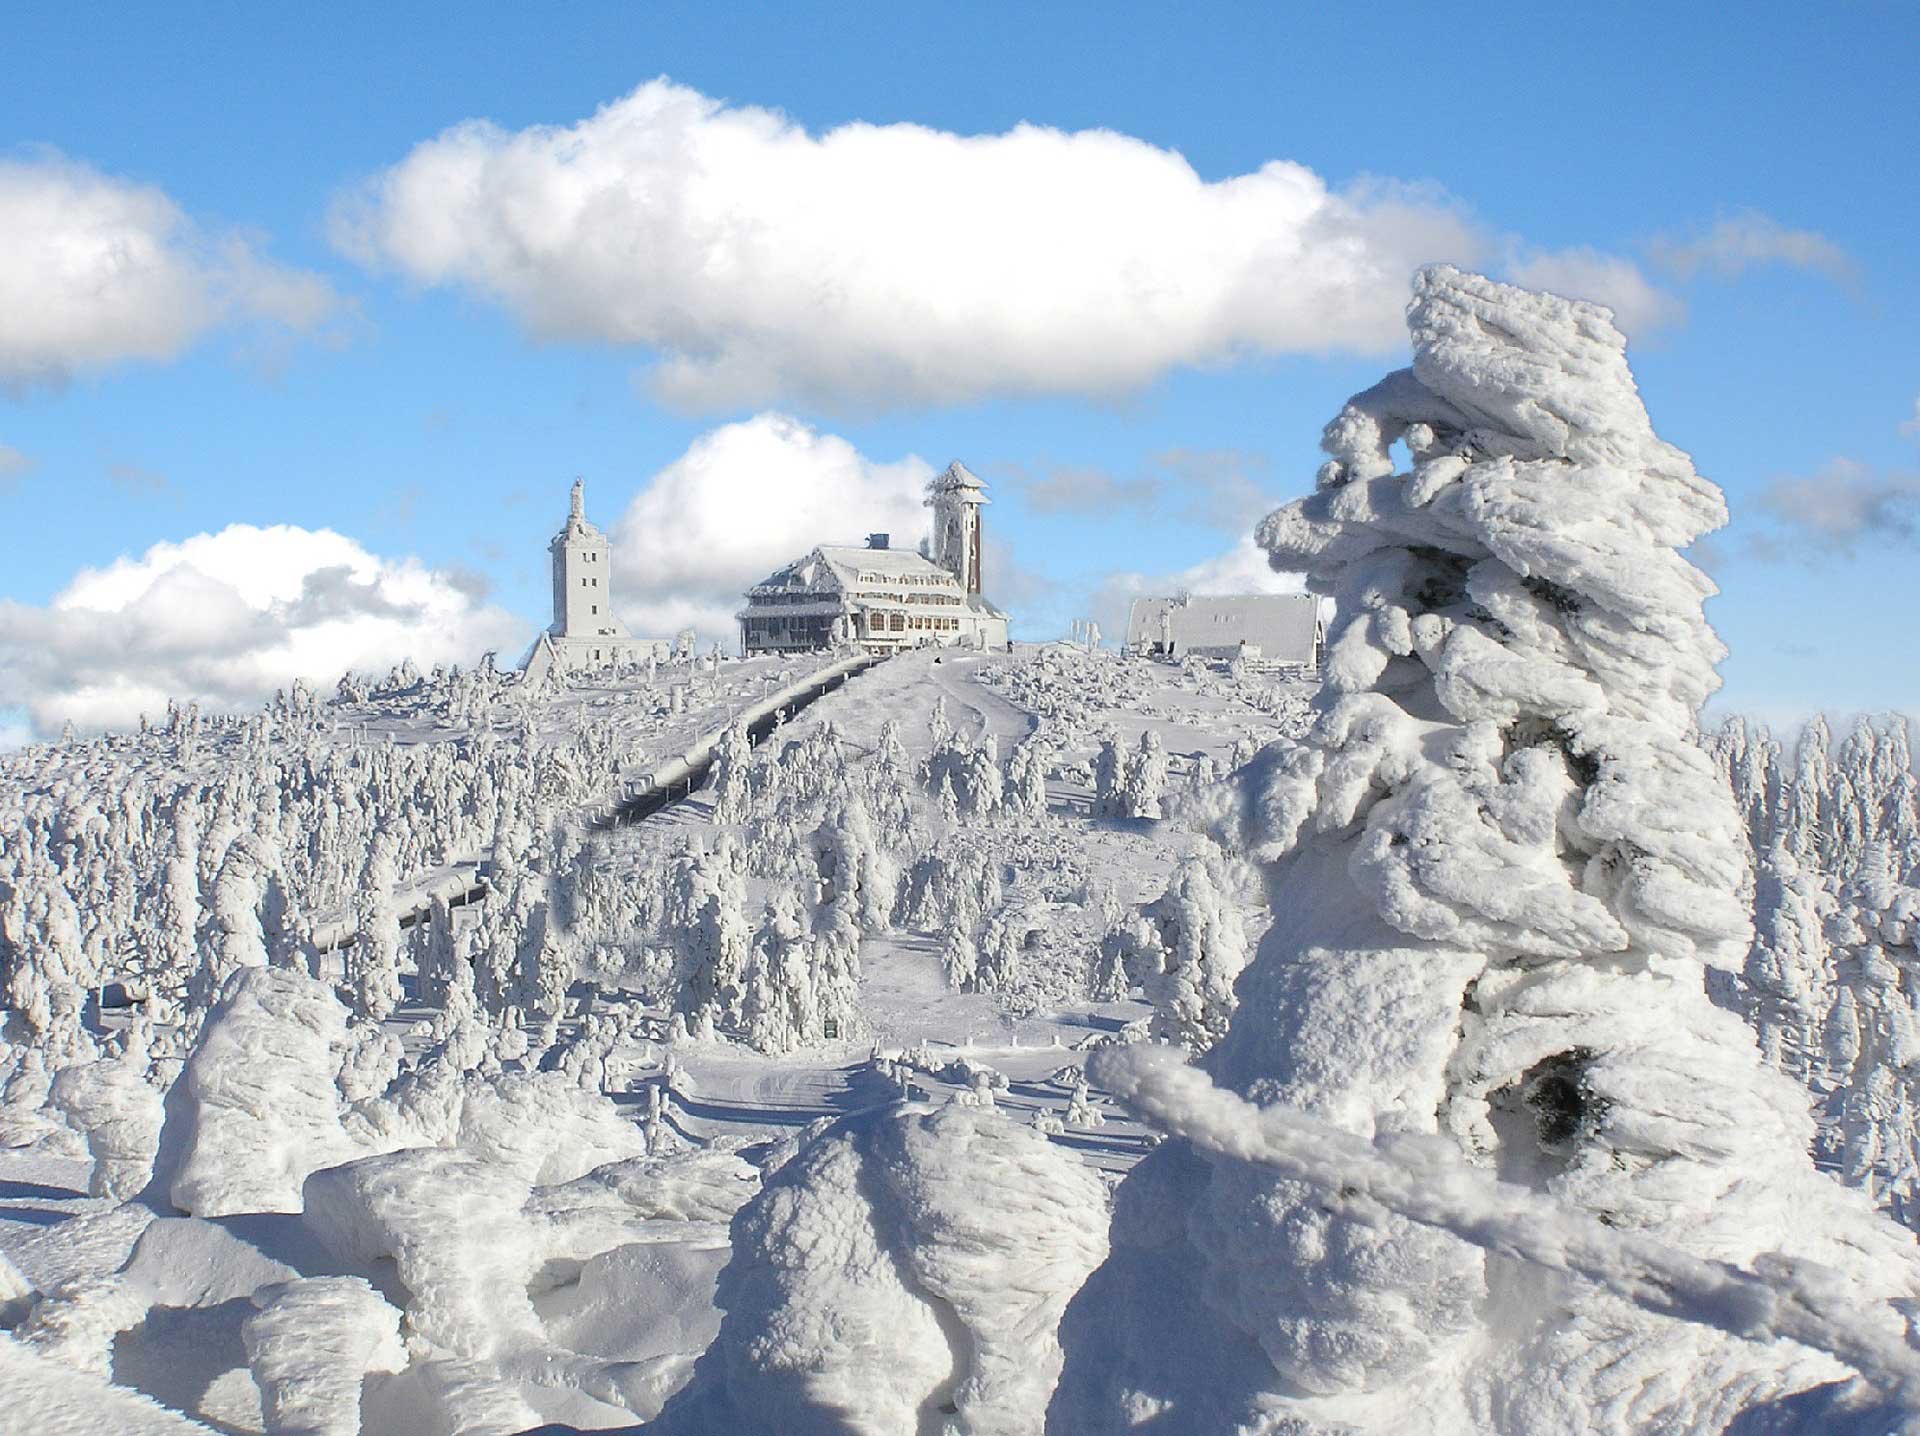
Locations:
(596, 608)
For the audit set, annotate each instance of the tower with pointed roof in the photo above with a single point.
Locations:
(582, 577)
(956, 498)
(585, 632)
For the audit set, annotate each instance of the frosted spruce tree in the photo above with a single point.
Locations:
(373, 961)
(1500, 870)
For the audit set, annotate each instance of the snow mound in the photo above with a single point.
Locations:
(450, 1224)
(311, 1344)
(45, 1396)
(121, 1115)
(908, 1266)
(257, 1107)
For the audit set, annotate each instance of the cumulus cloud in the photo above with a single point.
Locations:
(225, 618)
(742, 501)
(1639, 306)
(1845, 504)
(1241, 569)
(1745, 241)
(98, 271)
(873, 264)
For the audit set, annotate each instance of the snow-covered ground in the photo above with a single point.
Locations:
(348, 1158)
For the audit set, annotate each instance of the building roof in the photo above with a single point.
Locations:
(837, 569)
(840, 566)
(959, 477)
(1283, 626)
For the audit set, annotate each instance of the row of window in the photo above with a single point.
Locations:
(950, 597)
(878, 622)
(938, 580)
(782, 625)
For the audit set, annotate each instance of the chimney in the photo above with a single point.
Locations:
(879, 540)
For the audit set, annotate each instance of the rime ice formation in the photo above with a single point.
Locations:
(311, 1344)
(1501, 872)
(257, 1107)
(904, 1272)
(121, 1114)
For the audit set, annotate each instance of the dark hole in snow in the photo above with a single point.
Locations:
(1561, 598)
(1445, 586)
(1545, 1115)
(1558, 1106)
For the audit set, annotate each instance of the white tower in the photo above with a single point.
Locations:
(955, 498)
(582, 578)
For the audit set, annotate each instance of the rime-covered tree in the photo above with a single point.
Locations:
(373, 959)
(1501, 869)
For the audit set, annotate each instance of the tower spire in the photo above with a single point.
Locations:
(578, 513)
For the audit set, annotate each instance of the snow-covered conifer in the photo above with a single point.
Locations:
(1145, 782)
(373, 959)
(1109, 778)
(1502, 869)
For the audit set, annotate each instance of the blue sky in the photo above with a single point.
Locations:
(1749, 172)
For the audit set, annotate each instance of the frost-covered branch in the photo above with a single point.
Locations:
(1423, 1180)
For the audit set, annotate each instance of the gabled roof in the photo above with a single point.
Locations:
(840, 566)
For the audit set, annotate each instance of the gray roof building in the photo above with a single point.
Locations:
(1282, 629)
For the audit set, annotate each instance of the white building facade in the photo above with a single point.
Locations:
(585, 632)
(1279, 630)
(881, 598)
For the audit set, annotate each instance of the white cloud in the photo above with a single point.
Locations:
(228, 617)
(14, 733)
(97, 271)
(1912, 426)
(1744, 241)
(743, 500)
(1834, 511)
(885, 263)
(1639, 306)
(1241, 569)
